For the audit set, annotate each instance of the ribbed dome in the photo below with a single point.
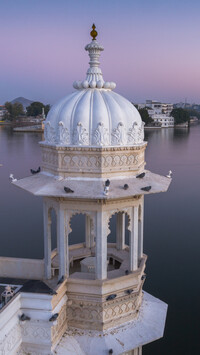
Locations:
(94, 115)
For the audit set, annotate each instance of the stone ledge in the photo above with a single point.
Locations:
(149, 326)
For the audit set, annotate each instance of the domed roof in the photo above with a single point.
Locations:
(94, 115)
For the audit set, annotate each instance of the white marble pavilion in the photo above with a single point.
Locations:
(92, 154)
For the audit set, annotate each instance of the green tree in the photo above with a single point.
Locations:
(145, 116)
(14, 110)
(180, 115)
(36, 107)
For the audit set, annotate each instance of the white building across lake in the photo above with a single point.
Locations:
(159, 112)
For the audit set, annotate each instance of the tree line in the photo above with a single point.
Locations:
(16, 110)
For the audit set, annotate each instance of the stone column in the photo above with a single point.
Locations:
(61, 240)
(140, 231)
(120, 231)
(87, 232)
(101, 245)
(47, 240)
(133, 241)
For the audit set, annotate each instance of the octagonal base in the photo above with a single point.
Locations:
(149, 326)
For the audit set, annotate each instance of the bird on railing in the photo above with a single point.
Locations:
(35, 171)
(106, 186)
(169, 175)
(126, 186)
(68, 190)
(146, 188)
(111, 297)
(140, 176)
(52, 292)
(12, 178)
(54, 317)
(23, 317)
(129, 291)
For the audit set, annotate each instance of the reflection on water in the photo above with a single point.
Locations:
(172, 225)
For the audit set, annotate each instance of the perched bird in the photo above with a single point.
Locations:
(143, 277)
(52, 292)
(110, 351)
(126, 186)
(129, 291)
(60, 280)
(54, 317)
(107, 183)
(23, 317)
(111, 297)
(169, 175)
(146, 188)
(140, 176)
(68, 190)
(126, 272)
(12, 178)
(35, 171)
(106, 187)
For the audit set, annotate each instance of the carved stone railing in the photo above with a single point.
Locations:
(101, 304)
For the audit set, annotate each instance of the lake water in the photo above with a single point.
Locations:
(171, 233)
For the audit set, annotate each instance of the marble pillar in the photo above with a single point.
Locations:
(101, 246)
(120, 231)
(47, 240)
(133, 240)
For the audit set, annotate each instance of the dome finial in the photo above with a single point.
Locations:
(93, 33)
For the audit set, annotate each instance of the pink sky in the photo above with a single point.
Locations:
(151, 48)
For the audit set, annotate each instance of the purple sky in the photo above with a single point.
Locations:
(152, 48)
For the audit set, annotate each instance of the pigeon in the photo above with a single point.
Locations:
(110, 351)
(126, 186)
(68, 190)
(107, 183)
(35, 171)
(129, 291)
(111, 297)
(60, 280)
(140, 176)
(23, 317)
(52, 292)
(146, 188)
(54, 317)
(126, 272)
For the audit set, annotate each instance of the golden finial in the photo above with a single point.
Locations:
(93, 33)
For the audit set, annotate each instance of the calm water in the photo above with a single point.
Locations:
(172, 224)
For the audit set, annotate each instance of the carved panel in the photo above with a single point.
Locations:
(119, 135)
(101, 136)
(63, 134)
(11, 340)
(61, 323)
(80, 135)
(93, 314)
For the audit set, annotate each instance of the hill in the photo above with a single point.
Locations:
(23, 101)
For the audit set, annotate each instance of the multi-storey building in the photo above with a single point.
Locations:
(159, 112)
